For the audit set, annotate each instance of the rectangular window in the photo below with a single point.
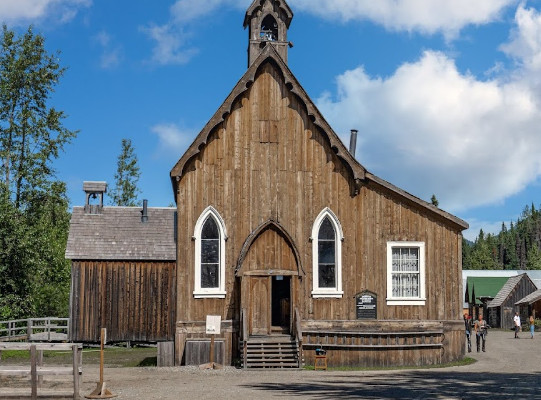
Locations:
(405, 273)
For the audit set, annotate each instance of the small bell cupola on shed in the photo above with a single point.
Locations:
(94, 190)
(268, 22)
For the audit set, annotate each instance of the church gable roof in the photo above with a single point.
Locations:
(359, 174)
(269, 54)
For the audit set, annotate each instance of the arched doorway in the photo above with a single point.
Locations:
(269, 270)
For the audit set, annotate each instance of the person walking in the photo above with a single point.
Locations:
(516, 320)
(532, 325)
(467, 326)
(480, 329)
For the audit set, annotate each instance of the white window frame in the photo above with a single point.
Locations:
(337, 291)
(406, 301)
(219, 292)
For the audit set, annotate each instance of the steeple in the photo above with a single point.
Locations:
(268, 21)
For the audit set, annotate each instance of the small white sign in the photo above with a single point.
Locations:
(213, 324)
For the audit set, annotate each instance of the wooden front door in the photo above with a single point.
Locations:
(260, 305)
(269, 272)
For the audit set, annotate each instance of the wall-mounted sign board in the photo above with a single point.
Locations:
(366, 304)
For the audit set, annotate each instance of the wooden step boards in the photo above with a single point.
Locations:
(272, 352)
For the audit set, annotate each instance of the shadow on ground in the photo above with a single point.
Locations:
(414, 385)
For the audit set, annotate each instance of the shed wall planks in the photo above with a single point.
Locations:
(135, 301)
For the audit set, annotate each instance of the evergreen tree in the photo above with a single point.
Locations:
(127, 175)
(534, 258)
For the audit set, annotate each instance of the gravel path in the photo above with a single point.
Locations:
(510, 369)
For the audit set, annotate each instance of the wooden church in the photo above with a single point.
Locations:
(286, 237)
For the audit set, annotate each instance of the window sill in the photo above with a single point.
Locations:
(406, 302)
(209, 295)
(331, 295)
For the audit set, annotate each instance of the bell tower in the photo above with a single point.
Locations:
(268, 22)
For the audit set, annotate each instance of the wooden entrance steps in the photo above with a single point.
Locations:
(277, 351)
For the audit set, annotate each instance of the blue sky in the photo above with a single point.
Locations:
(446, 95)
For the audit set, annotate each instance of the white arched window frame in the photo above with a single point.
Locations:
(218, 291)
(336, 291)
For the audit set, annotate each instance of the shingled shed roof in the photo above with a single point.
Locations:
(118, 234)
(531, 298)
(506, 290)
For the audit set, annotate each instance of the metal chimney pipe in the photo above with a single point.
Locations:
(353, 142)
(144, 213)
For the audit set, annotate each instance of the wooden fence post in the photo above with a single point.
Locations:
(40, 364)
(75, 349)
(33, 372)
(29, 329)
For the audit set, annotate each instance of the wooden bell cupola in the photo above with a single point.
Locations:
(268, 22)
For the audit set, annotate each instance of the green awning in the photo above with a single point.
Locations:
(484, 287)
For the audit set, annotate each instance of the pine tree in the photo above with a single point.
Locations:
(125, 192)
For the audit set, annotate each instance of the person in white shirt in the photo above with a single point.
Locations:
(516, 320)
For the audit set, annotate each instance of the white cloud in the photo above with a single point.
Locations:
(170, 45)
(432, 130)
(476, 225)
(172, 139)
(425, 16)
(111, 53)
(24, 11)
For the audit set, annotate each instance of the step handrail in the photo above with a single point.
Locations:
(244, 337)
(298, 334)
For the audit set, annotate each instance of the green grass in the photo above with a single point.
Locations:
(114, 357)
(465, 361)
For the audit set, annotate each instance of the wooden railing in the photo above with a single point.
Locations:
(298, 335)
(371, 340)
(244, 337)
(35, 329)
(36, 370)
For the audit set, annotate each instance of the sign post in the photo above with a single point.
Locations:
(214, 323)
(101, 391)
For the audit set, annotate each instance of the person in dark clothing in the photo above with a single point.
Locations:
(467, 327)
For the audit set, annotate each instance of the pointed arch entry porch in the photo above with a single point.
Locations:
(270, 273)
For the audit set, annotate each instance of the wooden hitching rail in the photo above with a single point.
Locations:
(374, 340)
(36, 370)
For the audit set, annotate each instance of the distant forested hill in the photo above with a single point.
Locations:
(515, 247)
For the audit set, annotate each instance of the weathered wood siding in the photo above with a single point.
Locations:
(135, 301)
(268, 161)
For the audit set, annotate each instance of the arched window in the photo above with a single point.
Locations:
(269, 29)
(327, 239)
(209, 238)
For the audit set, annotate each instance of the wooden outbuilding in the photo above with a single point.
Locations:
(530, 305)
(297, 246)
(501, 309)
(123, 271)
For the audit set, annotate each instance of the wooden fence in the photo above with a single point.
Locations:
(35, 329)
(36, 370)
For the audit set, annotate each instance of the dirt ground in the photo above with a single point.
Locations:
(510, 369)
